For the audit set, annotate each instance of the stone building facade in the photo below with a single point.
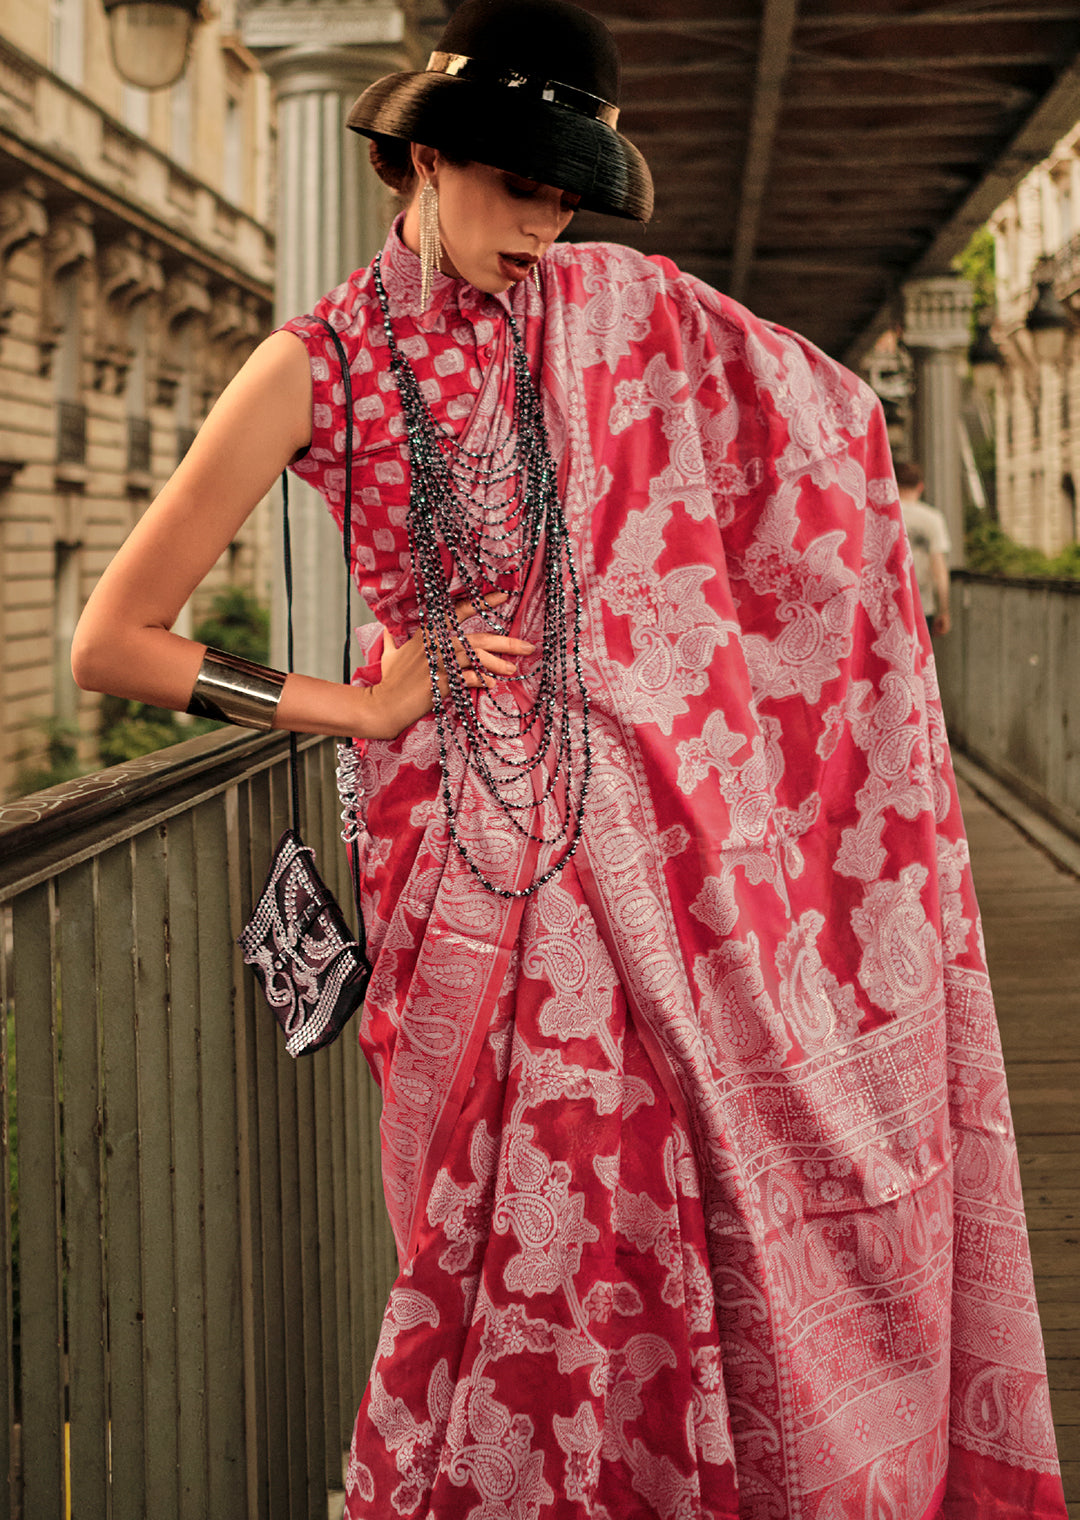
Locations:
(136, 268)
(1037, 236)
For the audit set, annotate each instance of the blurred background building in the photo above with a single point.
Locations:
(136, 274)
(1036, 328)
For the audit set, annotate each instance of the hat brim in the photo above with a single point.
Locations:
(538, 140)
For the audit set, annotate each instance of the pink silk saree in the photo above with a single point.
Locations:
(699, 1162)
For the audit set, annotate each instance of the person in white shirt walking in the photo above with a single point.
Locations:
(929, 540)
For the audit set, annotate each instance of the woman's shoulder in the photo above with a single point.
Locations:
(638, 301)
(644, 295)
(347, 309)
(589, 270)
(613, 262)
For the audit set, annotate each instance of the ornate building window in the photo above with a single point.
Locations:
(135, 109)
(67, 364)
(66, 39)
(1065, 212)
(180, 124)
(232, 171)
(139, 432)
(1066, 407)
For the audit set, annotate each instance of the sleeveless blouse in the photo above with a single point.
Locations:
(459, 348)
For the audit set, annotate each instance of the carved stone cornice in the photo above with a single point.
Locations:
(186, 295)
(269, 26)
(223, 328)
(322, 46)
(937, 313)
(9, 468)
(226, 314)
(69, 243)
(127, 273)
(185, 299)
(23, 219)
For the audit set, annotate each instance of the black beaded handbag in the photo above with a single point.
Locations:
(297, 942)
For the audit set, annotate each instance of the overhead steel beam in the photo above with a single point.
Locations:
(774, 56)
(811, 61)
(1058, 111)
(1048, 123)
(955, 15)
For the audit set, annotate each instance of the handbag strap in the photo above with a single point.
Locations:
(346, 668)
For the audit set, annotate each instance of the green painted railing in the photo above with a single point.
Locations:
(194, 1253)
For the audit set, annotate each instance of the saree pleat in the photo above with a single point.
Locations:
(557, 1309)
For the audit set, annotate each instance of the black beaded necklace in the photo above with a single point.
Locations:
(489, 510)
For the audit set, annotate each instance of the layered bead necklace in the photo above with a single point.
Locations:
(490, 510)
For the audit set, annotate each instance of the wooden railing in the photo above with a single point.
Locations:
(194, 1254)
(1008, 674)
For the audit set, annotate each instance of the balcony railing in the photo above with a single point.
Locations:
(70, 432)
(1067, 267)
(139, 440)
(194, 1254)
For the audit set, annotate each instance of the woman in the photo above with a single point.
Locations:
(695, 1135)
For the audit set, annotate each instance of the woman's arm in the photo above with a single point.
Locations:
(124, 644)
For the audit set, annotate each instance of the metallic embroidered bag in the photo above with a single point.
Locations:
(297, 942)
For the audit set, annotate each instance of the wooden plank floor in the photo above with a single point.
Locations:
(1031, 918)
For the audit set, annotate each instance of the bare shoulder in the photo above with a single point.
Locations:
(269, 396)
(280, 358)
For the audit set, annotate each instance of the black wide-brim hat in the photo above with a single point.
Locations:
(528, 86)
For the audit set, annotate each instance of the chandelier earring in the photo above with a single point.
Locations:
(430, 247)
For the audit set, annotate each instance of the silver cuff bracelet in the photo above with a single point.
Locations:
(234, 690)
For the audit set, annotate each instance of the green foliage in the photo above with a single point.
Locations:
(976, 264)
(1067, 563)
(984, 451)
(239, 624)
(131, 729)
(62, 761)
(990, 550)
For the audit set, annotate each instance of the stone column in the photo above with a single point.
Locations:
(937, 316)
(332, 214)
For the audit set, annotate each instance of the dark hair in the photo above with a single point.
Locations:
(908, 475)
(391, 158)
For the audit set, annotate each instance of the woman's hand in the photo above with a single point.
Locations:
(404, 693)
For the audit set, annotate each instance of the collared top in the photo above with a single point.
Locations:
(461, 350)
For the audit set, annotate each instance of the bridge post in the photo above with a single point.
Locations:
(937, 331)
(332, 213)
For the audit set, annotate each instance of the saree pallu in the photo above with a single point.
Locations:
(699, 1163)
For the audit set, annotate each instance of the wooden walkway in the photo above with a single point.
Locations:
(1031, 918)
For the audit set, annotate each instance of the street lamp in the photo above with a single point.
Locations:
(1047, 321)
(150, 39)
(985, 359)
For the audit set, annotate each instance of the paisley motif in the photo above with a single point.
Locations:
(700, 1166)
